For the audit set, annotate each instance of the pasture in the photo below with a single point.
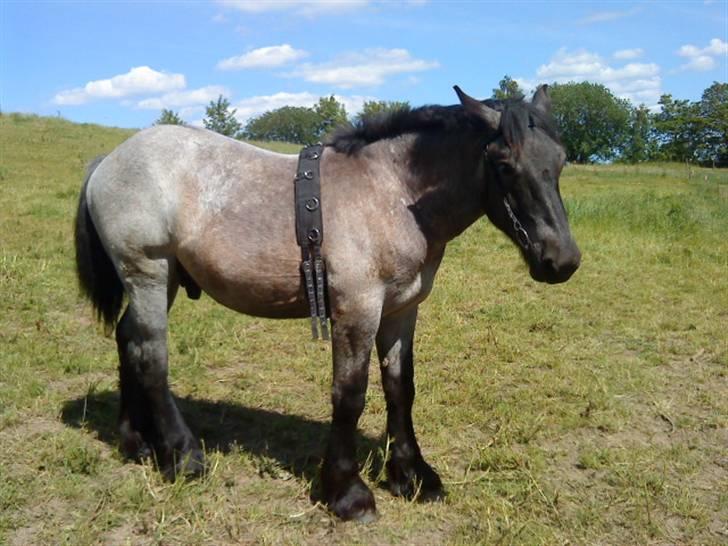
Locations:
(594, 412)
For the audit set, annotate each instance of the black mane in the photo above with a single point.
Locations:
(516, 117)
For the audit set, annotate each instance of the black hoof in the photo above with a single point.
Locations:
(412, 480)
(133, 446)
(355, 503)
(190, 464)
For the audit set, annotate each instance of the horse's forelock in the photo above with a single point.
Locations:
(517, 117)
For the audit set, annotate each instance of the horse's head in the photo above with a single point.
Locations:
(522, 162)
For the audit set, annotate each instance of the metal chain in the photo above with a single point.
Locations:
(521, 232)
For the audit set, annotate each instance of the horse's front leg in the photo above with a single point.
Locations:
(407, 471)
(344, 491)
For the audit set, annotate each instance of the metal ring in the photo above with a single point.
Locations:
(314, 235)
(312, 204)
(308, 175)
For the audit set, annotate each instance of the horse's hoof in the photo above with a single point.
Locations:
(418, 480)
(434, 494)
(355, 504)
(132, 445)
(190, 464)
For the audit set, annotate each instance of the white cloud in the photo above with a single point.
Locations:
(700, 63)
(191, 110)
(190, 98)
(264, 57)
(304, 7)
(139, 80)
(627, 54)
(638, 82)
(362, 69)
(254, 106)
(606, 16)
(702, 59)
(717, 47)
(353, 103)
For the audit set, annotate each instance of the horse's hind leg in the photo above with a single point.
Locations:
(149, 418)
(407, 471)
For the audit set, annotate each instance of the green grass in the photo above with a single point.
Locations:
(592, 412)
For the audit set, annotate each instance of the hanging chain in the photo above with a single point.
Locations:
(521, 232)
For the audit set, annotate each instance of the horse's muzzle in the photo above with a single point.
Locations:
(556, 264)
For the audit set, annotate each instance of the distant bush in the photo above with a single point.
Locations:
(298, 124)
(169, 117)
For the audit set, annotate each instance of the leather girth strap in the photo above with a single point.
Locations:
(310, 236)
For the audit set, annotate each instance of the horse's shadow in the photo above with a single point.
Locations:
(296, 443)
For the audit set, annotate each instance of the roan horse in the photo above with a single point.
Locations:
(183, 206)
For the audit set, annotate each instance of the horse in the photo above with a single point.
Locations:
(182, 206)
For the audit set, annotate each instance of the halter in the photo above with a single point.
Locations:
(521, 234)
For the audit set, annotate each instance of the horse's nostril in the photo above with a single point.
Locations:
(559, 259)
(549, 265)
(557, 268)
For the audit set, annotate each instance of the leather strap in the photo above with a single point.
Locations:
(310, 235)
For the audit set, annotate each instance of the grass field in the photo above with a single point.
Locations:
(593, 412)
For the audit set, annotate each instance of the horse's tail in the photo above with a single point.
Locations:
(97, 276)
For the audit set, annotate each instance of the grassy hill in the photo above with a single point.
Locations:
(593, 412)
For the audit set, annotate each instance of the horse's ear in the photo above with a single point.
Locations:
(541, 99)
(477, 108)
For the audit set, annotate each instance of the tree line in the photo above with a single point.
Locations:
(296, 124)
(595, 125)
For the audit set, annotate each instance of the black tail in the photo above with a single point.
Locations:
(96, 274)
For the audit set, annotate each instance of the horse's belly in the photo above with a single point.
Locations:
(259, 286)
(271, 298)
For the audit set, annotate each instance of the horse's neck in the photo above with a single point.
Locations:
(445, 176)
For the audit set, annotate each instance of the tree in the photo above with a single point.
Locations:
(593, 122)
(219, 118)
(675, 128)
(694, 131)
(331, 113)
(507, 88)
(298, 124)
(287, 124)
(712, 125)
(169, 117)
(640, 144)
(376, 107)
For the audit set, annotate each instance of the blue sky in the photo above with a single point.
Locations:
(120, 63)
